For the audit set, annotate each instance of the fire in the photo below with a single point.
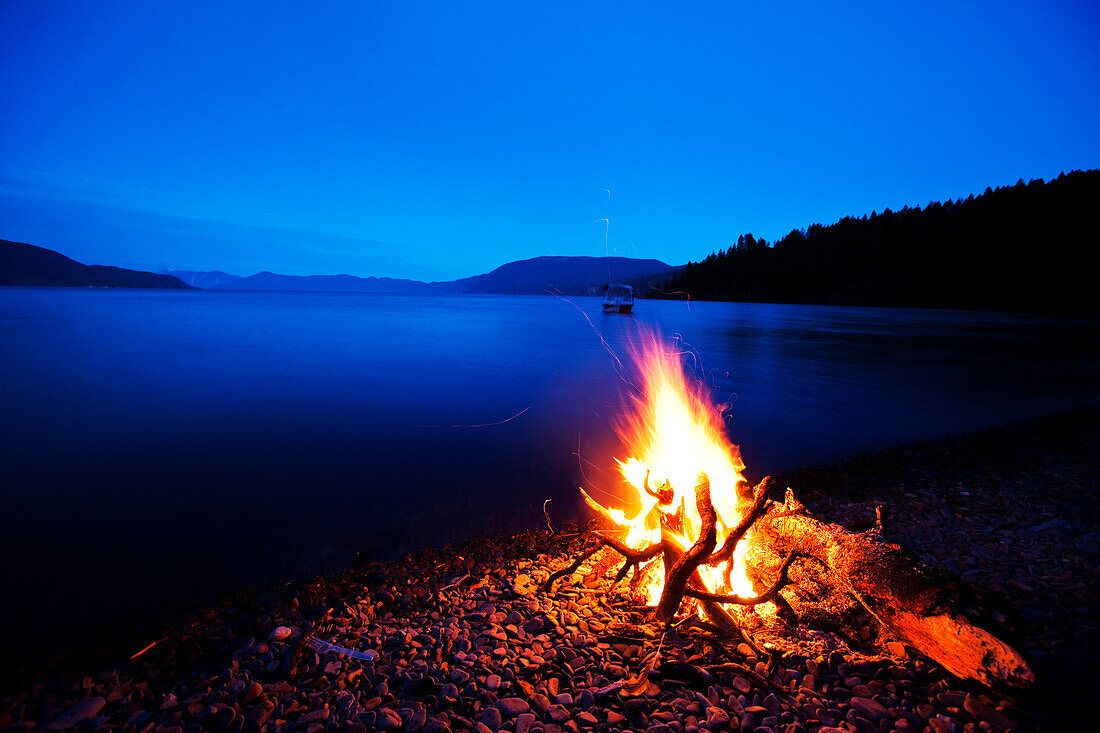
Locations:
(673, 433)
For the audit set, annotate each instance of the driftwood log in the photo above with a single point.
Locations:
(913, 602)
(919, 604)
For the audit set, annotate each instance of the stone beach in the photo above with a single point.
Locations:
(465, 639)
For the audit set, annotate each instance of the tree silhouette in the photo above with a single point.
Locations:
(1023, 247)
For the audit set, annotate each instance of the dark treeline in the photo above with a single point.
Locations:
(1025, 247)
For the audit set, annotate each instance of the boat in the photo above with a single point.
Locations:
(618, 298)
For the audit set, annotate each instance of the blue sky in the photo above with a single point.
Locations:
(439, 140)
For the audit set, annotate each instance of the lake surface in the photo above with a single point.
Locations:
(163, 447)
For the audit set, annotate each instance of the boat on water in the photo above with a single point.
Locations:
(618, 298)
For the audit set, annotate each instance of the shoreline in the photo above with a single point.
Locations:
(1014, 509)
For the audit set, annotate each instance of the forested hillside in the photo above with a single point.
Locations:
(1026, 247)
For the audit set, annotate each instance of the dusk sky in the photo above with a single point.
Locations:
(438, 141)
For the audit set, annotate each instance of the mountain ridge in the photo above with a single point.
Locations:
(25, 264)
(30, 265)
(562, 275)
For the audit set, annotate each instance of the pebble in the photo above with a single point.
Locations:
(586, 720)
(868, 708)
(253, 691)
(78, 713)
(280, 633)
(986, 714)
(524, 722)
(491, 717)
(513, 706)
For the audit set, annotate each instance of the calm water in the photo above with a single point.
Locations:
(163, 447)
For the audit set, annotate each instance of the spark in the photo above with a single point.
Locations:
(607, 346)
(481, 425)
(606, 240)
(581, 460)
(135, 656)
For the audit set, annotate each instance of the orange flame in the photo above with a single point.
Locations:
(673, 433)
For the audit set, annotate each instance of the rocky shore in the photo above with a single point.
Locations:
(464, 639)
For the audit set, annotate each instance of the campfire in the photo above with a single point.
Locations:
(696, 537)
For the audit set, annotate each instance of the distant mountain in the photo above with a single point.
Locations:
(538, 276)
(204, 280)
(26, 264)
(567, 276)
(322, 284)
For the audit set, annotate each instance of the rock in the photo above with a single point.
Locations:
(437, 724)
(553, 685)
(492, 682)
(314, 716)
(259, 715)
(222, 718)
(491, 717)
(868, 708)
(717, 718)
(252, 692)
(513, 706)
(539, 703)
(523, 722)
(941, 725)
(557, 713)
(983, 712)
(388, 719)
(585, 720)
(79, 712)
(523, 585)
(280, 633)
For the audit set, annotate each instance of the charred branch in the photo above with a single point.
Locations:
(764, 597)
(569, 570)
(684, 568)
(756, 510)
(664, 493)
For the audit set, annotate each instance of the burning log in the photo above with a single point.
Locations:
(672, 594)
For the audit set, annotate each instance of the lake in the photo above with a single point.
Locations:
(164, 447)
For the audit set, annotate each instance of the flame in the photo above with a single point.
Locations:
(672, 433)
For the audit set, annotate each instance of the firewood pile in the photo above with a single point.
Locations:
(907, 600)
